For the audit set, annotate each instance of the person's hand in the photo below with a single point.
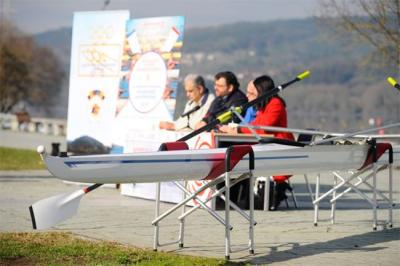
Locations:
(166, 125)
(167, 93)
(200, 124)
(228, 129)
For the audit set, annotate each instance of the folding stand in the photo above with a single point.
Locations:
(239, 152)
(370, 169)
(165, 147)
(233, 155)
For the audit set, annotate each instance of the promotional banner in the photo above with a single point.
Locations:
(149, 80)
(123, 81)
(96, 56)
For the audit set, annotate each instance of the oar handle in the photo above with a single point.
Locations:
(393, 82)
(207, 127)
(227, 115)
(92, 187)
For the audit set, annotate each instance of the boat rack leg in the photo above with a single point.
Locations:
(333, 204)
(363, 177)
(178, 145)
(391, 194)
(316, 201)
(159, 217)
(202, 204)
(374, 210)
(309, 187)
(182, 221)
(361, 180)
(218, 193)
(156, 243)
(234, 154)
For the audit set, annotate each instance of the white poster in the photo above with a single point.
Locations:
(149, 81)
(96, 56)
(123, 81)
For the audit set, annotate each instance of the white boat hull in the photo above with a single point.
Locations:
(148, 167)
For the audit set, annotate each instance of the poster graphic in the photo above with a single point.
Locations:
(150, 67)
(99, 60)
(123, 81)
(148, 82)
(96, 55)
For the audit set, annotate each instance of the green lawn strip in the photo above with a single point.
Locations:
(54, 248)
(20, 159)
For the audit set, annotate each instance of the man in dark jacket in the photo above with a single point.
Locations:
(228, 94)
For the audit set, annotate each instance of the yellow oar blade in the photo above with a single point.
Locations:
(393, 82)
(304, 75)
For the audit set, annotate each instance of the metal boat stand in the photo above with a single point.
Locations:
(232, 156)
(353, 179)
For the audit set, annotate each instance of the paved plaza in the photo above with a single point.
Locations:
(284, 237)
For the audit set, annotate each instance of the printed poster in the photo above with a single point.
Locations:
(96, 56)
(148, 83)
(123, 81)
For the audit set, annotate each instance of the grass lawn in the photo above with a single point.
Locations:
(54, 248)
(19, 159)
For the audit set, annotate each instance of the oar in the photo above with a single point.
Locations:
(322, 133)
(349, 135)
(393, 82)
(48, 212)
(51, 211)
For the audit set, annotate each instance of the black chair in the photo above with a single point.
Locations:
(302, 140)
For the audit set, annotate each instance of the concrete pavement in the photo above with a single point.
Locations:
(285, 237)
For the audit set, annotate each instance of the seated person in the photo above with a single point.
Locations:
(270, 112)
(251, 112)
(228, 94)
(199, 101)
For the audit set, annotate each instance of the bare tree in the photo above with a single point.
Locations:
(376, 22)
(28, 72)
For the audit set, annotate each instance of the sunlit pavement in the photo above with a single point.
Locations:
(284, 237)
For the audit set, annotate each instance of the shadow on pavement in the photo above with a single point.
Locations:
(357, 242)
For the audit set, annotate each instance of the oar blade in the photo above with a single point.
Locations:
(50, 211)
(304, 75)
(393, 82)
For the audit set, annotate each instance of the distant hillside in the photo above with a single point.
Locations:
(341, 93)
(59, 41)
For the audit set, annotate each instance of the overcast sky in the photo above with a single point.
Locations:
(34, 16)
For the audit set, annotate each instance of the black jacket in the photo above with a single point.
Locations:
(222, 104)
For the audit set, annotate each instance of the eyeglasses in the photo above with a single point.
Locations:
(220, 85)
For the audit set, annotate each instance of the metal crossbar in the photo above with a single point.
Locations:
(187, 196)
(362, 177)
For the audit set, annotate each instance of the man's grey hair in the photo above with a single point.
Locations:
(196, 79)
